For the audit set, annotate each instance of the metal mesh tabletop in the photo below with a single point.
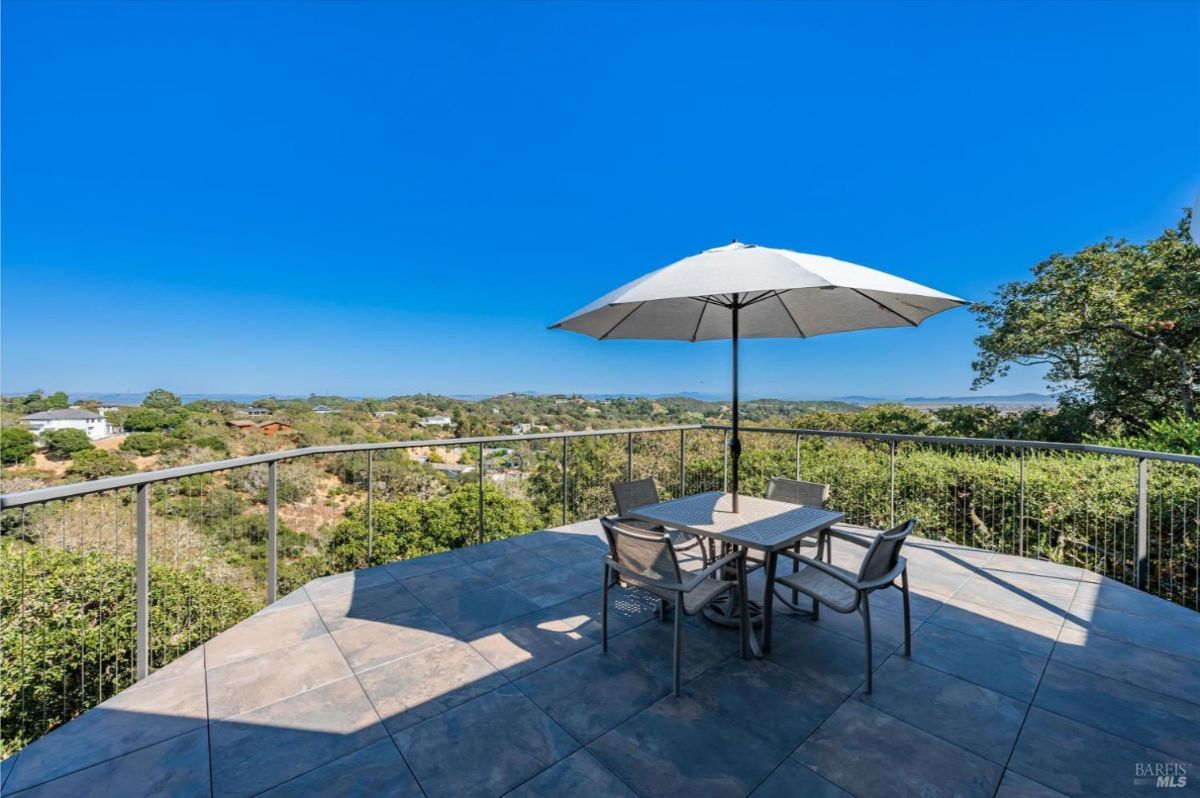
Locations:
(759, 524)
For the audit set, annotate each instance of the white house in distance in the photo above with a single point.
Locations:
(94, 424)
(436, 421)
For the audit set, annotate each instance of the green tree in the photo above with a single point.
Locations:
(161, 399)
(16, 445)
(1117, 324)
(65, 442)
(143, 443)
(410, 527)
(98, 463)
(893, 419)
(146, 419)
(57, 401)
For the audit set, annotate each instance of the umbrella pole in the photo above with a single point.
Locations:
(735, 444)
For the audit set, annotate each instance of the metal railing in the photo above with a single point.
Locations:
(182, 553)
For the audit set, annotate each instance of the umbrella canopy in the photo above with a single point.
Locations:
(746, 291)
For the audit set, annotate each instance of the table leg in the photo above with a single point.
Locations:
(772, 560)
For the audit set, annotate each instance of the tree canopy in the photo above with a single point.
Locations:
(1117, 324)
(65, 442)
(16, 445)
(161, 399)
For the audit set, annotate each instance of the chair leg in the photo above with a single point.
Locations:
(865, 610)
(796, 570)
(604, 610)
(907, 614)
(678, 640)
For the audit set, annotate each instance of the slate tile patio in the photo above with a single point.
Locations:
(479, 673)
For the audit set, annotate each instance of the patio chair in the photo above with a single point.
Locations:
(647, 560)
(845, 592)
(810, 494)
(639, 493)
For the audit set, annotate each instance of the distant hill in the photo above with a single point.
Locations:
(1030, 399)
(1038, 399)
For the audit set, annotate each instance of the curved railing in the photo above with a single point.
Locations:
(179, 554)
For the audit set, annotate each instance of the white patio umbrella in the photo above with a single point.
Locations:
(747, 291)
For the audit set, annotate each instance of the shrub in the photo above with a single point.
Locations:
(143, 443)
(16, 445)
(67, 631)
(65, 442)
(98, 463)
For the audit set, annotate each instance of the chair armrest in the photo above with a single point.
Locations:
(828, 569)
(642, 579)
(712, 568)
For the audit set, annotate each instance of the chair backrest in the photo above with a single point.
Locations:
(630, 495)
(884, 551)
(647, 554)
(810, 494)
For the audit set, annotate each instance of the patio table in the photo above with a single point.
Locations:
(761, 524)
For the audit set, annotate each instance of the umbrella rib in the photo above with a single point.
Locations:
(897, 314)
(695, 332)
(788, 311)
(622, 320)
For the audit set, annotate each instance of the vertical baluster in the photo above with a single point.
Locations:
(142, 583)
(1021, 503)
(891, 483)
(370, 507)
(1142, 573)
(272, 531)
(629, 457)
(482, 453)
(725, 464)
(682, 463)
(564, 480)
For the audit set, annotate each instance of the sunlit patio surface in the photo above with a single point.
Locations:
(479, 673)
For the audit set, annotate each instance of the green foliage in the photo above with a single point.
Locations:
(146, 419)
(892, 418)
(161, 399)
(57, 401)
(143, 443)
(294, 482)
(410, 527)
(1179, 435)
(1117, 324)
(212, 442)
(16, 446)
(67, 631)
(65, 442)
(97, 464)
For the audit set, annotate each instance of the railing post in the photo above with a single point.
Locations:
(370, 506)
(725, 464)
(142, 581)
(272, 531)
(892, 483)
(629, 457)
(682, 463)
(481, 475)
(797, 456)
(1142, 574)
(1021, 508)
(564, 481)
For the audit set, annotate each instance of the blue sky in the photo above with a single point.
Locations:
(398, 197)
